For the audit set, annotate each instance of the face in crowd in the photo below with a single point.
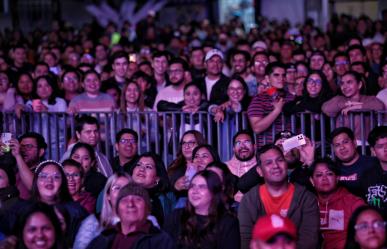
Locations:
(89, 134)
(39, 232)
(202, 158)
(176, 73)
(344, 148)
(324, 179)
(244, 147)
(188, 144)
(273, 167)
(127, 146)
(49, 181)
(30, 151)
(277, 78)
(82, 156)
(199, 195)
(74, 179)
(214, 65)
(370, 230)
(235, 91)
(145, 172)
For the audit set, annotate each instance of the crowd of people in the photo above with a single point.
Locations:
(265, 196)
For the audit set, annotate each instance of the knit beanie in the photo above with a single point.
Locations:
(134, 189)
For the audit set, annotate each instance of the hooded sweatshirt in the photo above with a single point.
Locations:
(335, 212)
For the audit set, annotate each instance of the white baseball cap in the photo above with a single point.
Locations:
(213, 52)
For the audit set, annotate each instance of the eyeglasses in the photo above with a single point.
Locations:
(341, 63)
(127, 141)
(239, 89)
(73, 175)
(189, 144)
(264, 63)
(70, 79)
(245, 143)
(44, 177)
(176, 71)
(28, 146)
(202, 156)
(316, 81)
(147, 166)
(377, 225)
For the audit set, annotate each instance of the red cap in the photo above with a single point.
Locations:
(268, 226)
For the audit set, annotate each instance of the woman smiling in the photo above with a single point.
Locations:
(204, 222)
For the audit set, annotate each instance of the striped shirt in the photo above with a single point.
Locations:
(102, 103)
(261, 106)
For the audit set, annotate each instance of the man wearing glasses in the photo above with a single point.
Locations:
(126, 146)
(244, 156)
(258, 66)
(28, 151)
(178, 75)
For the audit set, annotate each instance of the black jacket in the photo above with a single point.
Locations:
(156, 238)
(123, 168)
(225, 233)
(219, 90)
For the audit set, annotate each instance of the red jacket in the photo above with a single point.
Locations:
(334, 216)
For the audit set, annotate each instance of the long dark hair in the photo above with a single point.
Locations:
(47, 211)
(325, 92)
(351, 243)
(17, 85)
(163, 185)
(53, 83)
(211, 149)
(91, 151)
(180, 159)
(246, 98)
(63, 194)
(229, 180)
(191, 235)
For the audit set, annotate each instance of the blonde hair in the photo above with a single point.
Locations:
(108, 215)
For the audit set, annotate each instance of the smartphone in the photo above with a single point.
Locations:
(293, 142)
(5, 140)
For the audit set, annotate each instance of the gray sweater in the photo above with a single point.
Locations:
(303, 211)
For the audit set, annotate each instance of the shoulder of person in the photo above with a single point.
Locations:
(301, 191)
(252, 195)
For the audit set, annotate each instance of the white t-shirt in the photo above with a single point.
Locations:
(209, 85)
(382, 96)
(170, 94)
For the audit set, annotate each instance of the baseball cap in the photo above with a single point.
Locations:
(213, 52)
(259, 44)
(268, 226)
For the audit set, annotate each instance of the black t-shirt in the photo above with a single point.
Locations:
(350, 175)
(374, 188)
(123, 168)
(112, 81)
(224, 235)
(94, 182)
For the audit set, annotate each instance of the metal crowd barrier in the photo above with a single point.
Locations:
(161, 132)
